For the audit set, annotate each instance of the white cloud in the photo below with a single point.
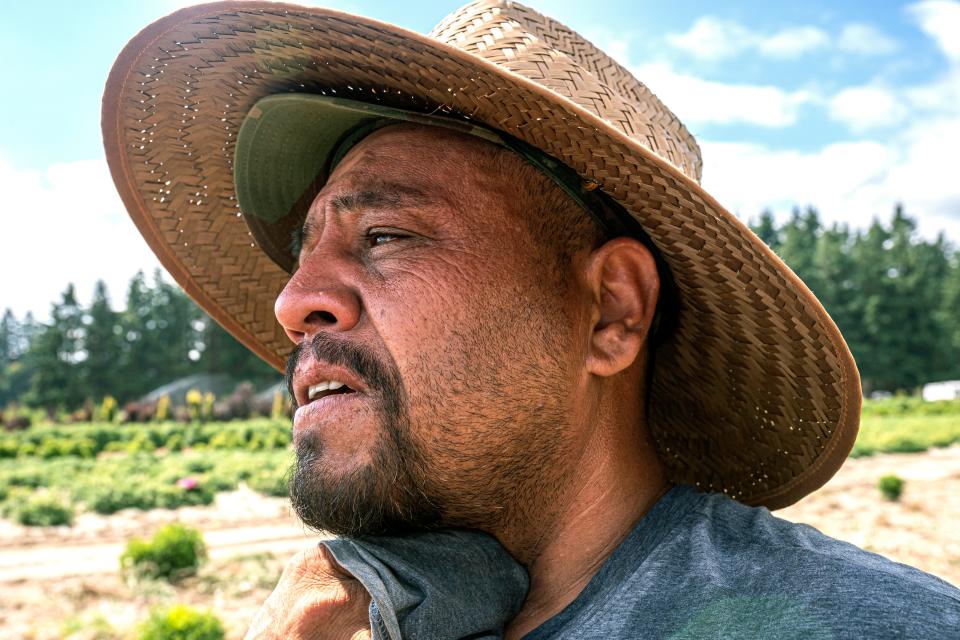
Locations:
(849, 182)
(866, 107)
(865, 39)
(697, 101)
(792, 42)
(940, 19)
(711, 38)
(65, 224)
(852, 180)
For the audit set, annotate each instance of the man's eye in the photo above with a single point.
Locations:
(377, 238)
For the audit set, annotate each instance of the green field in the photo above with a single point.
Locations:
(905, 434)
(906, 425)
(48, 473)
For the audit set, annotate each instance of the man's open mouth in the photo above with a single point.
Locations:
(327, 388)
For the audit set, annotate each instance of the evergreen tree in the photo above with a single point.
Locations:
(104, 345)
(767, 230)
(8, 338)
(835, 275)
(798, 245)
(53, 357)
(224, 353)
(141, 363)
(949, 314)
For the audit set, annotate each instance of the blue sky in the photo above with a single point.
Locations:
(847, 106)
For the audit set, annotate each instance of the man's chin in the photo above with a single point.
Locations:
(337, 495)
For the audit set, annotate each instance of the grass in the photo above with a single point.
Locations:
(150, 480)
(905, 434)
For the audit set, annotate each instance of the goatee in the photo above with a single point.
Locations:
(387, 496)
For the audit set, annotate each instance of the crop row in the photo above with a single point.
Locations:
(42, 492)
(88, 440)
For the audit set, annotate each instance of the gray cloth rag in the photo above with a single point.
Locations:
(441, 585)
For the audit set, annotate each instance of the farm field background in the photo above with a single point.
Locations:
(73, 495)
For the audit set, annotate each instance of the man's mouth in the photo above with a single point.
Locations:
(327, 388)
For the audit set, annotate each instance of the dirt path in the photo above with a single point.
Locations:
(45, 562)
(920, 529)
(59, 579)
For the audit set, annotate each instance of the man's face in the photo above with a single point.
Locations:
(423, 290)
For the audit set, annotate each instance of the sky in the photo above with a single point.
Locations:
(850, 107)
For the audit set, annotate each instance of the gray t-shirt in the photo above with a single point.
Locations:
(695, 566)
(704, 566)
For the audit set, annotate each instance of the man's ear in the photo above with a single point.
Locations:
(622, 278)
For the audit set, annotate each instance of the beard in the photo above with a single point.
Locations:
(387, 496)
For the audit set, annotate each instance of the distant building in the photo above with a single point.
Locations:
(947, 390)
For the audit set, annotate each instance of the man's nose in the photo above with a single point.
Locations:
(310, 303)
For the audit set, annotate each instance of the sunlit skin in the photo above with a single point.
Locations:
(523, 392)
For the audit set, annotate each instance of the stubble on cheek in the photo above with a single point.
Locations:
(491, 414)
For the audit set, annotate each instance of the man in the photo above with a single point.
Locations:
(514, 310)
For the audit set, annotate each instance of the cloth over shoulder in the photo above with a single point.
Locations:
(443, 585)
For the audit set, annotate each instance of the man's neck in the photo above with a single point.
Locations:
(614, 484)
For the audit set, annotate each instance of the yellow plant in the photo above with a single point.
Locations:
(194, 399)
(108, 409)
(206, 413)
(163, 408)
(278, 409)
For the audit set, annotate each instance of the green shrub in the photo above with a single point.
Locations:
(87, 627)
(110, 497)
(41, 510)
(172, 496)
(181, 623)
(174, 552)
(174, 442)
(272, 483)
(8, 448)
(891, 487)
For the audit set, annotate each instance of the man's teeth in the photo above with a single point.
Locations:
(327, 385)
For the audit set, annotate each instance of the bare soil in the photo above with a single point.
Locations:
(61, 582)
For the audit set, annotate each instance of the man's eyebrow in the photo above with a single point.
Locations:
(383, 195)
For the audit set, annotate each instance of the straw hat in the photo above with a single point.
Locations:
(754, 394)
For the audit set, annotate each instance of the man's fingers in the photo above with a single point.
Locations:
(315, 599)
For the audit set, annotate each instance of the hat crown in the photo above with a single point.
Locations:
(541, 49)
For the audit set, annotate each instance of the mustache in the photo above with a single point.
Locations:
(358, 359)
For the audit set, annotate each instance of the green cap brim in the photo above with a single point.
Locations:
(290, 142)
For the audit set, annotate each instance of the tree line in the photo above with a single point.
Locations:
(894, 295)
(91, 351)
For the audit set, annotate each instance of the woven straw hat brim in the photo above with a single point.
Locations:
(755, 394)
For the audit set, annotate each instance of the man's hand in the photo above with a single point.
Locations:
(316, 599)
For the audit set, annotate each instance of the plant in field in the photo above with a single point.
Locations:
(87, 627)
(891, 487)
(278, 408)
(107, 412)
(174, 552)
(270, 482)
(181, 623)
(163, 408)
(194, 399)
(206, 410)
(40, 509)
